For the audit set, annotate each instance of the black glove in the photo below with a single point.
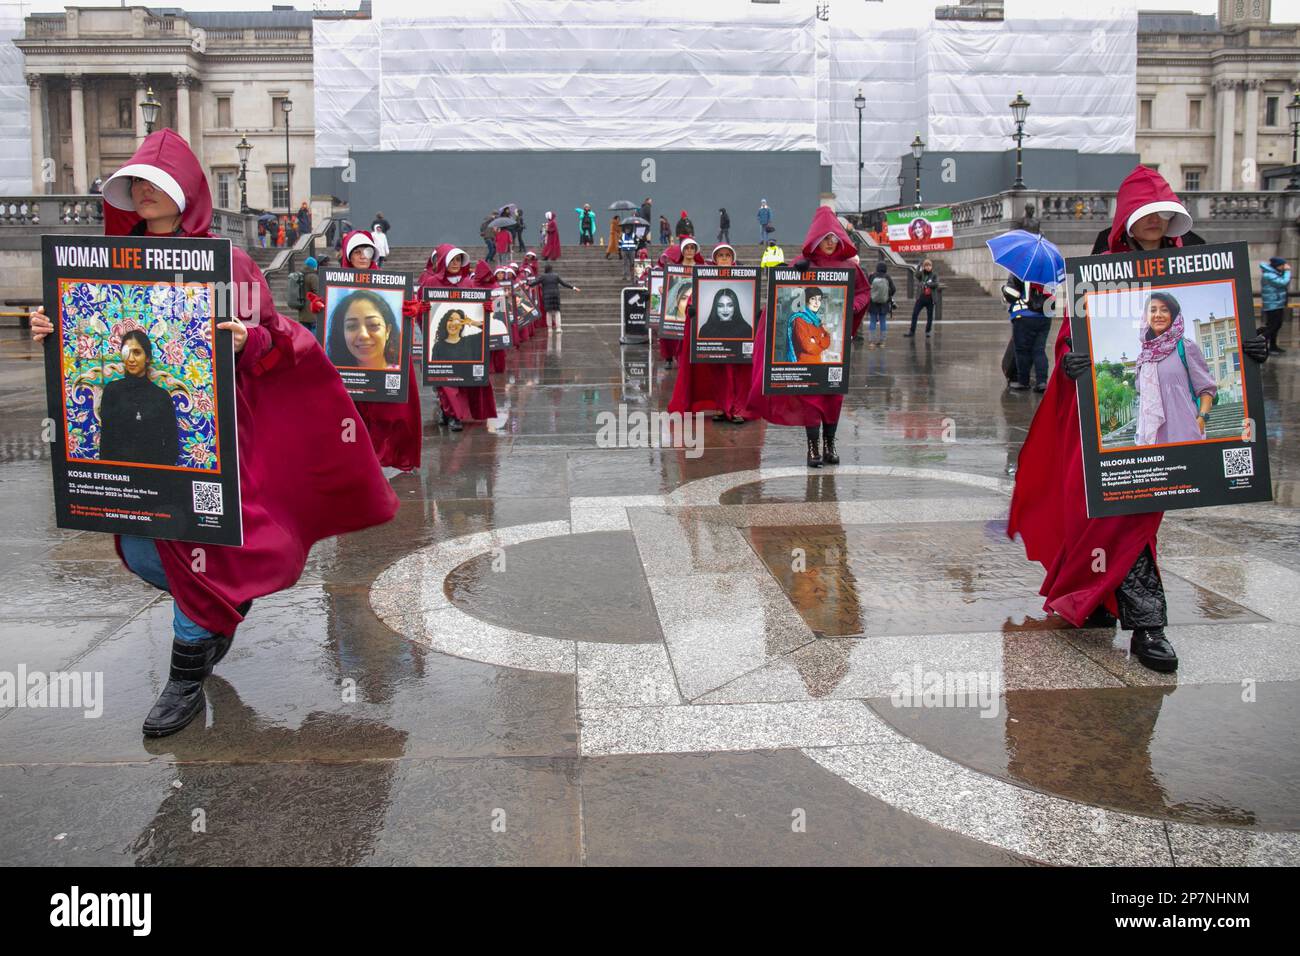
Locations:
(1256, 349)
(800, 264)
(1076, 364)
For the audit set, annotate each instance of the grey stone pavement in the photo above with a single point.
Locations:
(565, 654)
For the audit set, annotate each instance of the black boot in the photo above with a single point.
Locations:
(829, 455)
(1153, 649)
(182, 699)
(814, 446)
(1101, 618)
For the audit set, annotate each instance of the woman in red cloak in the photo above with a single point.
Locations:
(300, 479)
(826, 246)
(701, 387)
(1098, 568)
(394, 427)
(685, 253)
(551, 244)
(484, 279)
(459, 403)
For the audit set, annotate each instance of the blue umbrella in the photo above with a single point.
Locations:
(1028, 256)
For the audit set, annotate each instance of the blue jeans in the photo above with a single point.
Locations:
(142, 557)
(877, 313)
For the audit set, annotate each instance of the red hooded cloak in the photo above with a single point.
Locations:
(300, 481)
(475, 402)
(1086, 558)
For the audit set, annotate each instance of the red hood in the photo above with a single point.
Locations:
(444, 253)
(824, 220)
(167, 152)
(364, 239)
(483, 276)
(1141, 188)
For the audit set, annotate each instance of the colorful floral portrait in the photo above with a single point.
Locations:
(94, 318)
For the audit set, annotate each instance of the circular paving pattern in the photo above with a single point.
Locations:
(727, 647)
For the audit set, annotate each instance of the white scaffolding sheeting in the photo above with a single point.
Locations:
(15, 111)
(346, 71)
(1080, 75)
(883, 64)
(678, 74)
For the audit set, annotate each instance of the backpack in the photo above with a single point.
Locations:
(297, 290)
(879, 289)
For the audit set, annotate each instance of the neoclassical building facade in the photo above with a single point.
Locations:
(217, 76)
(1212, 95)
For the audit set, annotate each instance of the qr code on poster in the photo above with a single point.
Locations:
(207, 497)
(746, 348)
(1238, 463)
(478, 371)
(392, 382)
(834, 375)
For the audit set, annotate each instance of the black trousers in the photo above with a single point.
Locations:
(1273, 325)
(927, 303)
(1141, 596)
(1030, 334)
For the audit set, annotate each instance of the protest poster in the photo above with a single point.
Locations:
(676, 299)
(1171, 414)
(726, 312)
(364, 333)
(655, 304)
(806, 352)
(140, 386)
(920, 230)
(501, 323)
(456, 346)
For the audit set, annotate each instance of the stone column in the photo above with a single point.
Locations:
(1250, 141)
(183, 106)
(1226, 91)
(78, 119)
(141, 82)
(36, 97)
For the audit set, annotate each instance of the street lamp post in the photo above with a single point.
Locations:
(918, 148)
(1019, 108)
(287, 106)
(859, 103)
(150, 108)
(243, 148)
(1293, 114)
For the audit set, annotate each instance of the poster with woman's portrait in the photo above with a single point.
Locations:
(655, 287)
(456, 345)
(1171, 411)
(807, 351)
(140, 386)
(676, 301)
(726, 312)
(525, 300)
(501, 323)
(364, 332)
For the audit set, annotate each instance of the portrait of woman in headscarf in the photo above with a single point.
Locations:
(137, 419)
(1175, 388)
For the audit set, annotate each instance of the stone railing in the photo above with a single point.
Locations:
(51, 211)
(32, 215)
(1269, 222)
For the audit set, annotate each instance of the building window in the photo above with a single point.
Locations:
(125, 113)
(1144, 114)
(1194, 114)
(277, 110)
(225, 179)
(1192, 179)
(279, 189)
(1270, 110)
(223, 112)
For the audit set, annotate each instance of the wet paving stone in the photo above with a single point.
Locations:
(1217, 754)
(931, 578)
(584, 587)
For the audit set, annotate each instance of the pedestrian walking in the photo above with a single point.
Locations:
(927, 290)
(1275, 277)
(764, 220)
(882, 300)
(550, 283)
(724, 226)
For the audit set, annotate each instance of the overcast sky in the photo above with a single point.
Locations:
(1284, 11)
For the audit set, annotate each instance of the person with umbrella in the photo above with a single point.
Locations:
(1049, 507)
(1035, 265)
